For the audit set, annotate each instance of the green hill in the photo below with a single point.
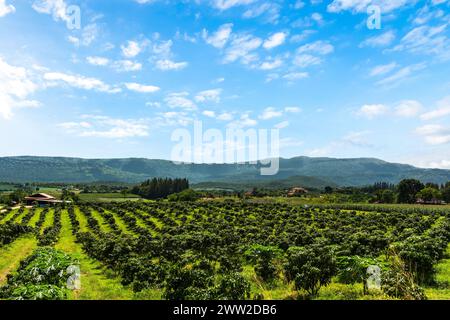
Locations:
(343, 172)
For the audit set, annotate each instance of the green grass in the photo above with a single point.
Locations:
(8, 216)
(442, 290)
(104, 226)
(48, 222)
(13, 253)
(97, 283)
(107, 197)
(20, 217)
(37, 213)
(120, 223)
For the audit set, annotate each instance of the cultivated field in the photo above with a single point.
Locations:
(224, 250)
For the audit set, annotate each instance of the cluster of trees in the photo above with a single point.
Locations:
(407, 191)
(16, 196)
(411, 191)
(158, 188)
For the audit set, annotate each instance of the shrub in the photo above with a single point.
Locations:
(310, 267)
(42, 276)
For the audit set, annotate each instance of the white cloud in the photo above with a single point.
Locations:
(382, 40)
(430, 129)
(270, 10)
(307, 55)
(290, 142)
(131, 49)
(357, 139)
(403, 109)
(299, 4)
(434, 134)
(5, 8)
(141, 88)
(28, 104)
(318, 47)
(106, 127)
(162, 49)
(309, 21)
(227, 4)
(371, 111)
(166, 65)
(401, 75)
(302, 36)
(293, 109)
(209, 96)
(241, 48)
(209, 113)
(97, 61)
(292, 76)
(162, 55)
(174, 118)
(145, 1)
(426, 14)
(427, 40)
(226, 116)
(87, 36)
(408, 108)
(74, 40)
(306, 60)
(180, 100)
(220, 37)
(382, 69)
(442, 110)
(78, 81)
(443, 164)
(74, 125)
(275, 40)
(16, 85)
(243, 122)
(127, 66)
(57, 8)
(153, 104)
(282, 125)
(359, 6)
(270, 113)
(119, 66)
(271, 64)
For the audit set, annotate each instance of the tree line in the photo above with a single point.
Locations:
(414, 191)
(158, 188)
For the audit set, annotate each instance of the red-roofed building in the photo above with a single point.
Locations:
(41, 199)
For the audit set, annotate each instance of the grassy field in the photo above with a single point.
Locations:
(12, 254)
(107, 197)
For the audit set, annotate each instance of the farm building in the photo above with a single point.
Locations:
(297, 192)
(41, 199)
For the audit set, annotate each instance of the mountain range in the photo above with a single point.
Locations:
(309, 172)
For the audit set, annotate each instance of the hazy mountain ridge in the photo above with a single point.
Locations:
(344, 172)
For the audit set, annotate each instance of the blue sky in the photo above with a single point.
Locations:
(136, 70)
